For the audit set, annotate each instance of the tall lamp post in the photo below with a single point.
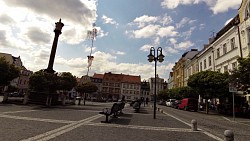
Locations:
(155, 57)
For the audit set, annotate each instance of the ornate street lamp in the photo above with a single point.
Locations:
(155, 57)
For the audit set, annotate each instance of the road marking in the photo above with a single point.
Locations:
(205, 132)
(56, 132)
(36, 119)
(142, 127)
(227, 119)
(12, 112)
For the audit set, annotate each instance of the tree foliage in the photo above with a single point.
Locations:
(67, 81)
(7, 72)
(164, 94)
(177, 93)
(88, 87)
(43, 82)
(209, 84)
(241, 76)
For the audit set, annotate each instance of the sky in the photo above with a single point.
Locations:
(126, 30)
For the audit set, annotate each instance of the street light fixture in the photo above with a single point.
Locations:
(151, 58)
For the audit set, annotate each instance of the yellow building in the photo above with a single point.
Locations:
(179, 68)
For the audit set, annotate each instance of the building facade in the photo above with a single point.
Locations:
(21, 82)
(179, 68)
(160, 84)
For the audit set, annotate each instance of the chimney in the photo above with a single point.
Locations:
(210, 40)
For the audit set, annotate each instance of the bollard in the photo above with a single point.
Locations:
(194, 125)
(228, 135)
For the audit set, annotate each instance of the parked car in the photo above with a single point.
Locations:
(176, 104)
(169, 102)
(189, 104)
(15, 94)
(162, 102)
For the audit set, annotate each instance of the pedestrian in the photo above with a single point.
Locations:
(147, 101)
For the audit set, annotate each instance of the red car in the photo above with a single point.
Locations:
(189, 104)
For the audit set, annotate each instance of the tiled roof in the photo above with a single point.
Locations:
(99, 76)
(131, 79)
(121, 78)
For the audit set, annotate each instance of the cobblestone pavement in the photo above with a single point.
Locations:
(74, 123)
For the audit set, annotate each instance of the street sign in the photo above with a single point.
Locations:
(232, 88)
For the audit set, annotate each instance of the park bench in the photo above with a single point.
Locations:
(114, 110)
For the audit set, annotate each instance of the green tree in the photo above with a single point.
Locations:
(88, 87)
(66, 81)
(188, 92)
(43, 82)
(241, 75)
(209, 84)
(7, 72)
(164, 94)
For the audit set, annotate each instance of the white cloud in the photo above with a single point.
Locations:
(185, 21)
(217, 6)
(172, 40)
(145, 19)
(88, 49)
(224, 5)
(108, 20)
(171, 50)
(168, 31)
(166, 20)
(146, 32)
(184, 45)
(77, 16)
(188, 34)
(118, 52)
(146, 48)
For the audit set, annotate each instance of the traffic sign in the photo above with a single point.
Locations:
(232, 88)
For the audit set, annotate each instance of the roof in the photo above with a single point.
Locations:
(131, 79)
(121, 78)
(99, 76)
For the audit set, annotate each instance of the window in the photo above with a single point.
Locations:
(232, 43)
(205, 63)
(225, 69)
(218, 52)
(224, 48)
(234, 65)
(209, 61)
(200, 66)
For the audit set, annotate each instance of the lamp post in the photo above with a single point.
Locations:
(155, 57)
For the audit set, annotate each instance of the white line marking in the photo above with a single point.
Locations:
(12, 112)
(56, 132)
(227, 119)
(36, 119)
(142, 127)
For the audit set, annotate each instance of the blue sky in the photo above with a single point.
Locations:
(126, 31)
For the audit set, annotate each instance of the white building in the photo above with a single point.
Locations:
(159, 86)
